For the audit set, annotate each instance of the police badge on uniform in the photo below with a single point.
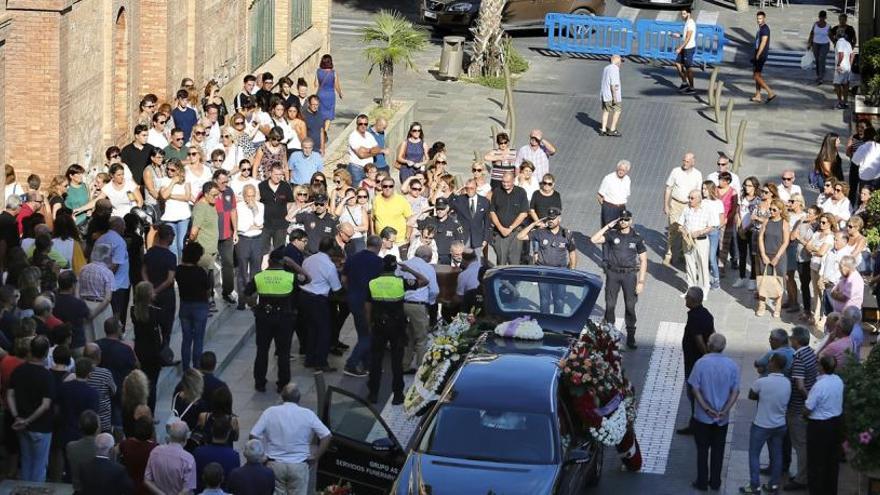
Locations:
(616, 240)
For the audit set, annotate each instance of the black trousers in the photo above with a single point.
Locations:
(152, 371)
(167, 304)
(610, 212)
(823, 455)
(227, 265)
(316, 311)
(744, 246)
(274, 238)
(272, 326)
(614, 281)
(853, 183)
(710, 441)
(339, 313)
(804, 278)
(393, 335)
(119, 305)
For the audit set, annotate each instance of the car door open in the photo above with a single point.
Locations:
(363, 451)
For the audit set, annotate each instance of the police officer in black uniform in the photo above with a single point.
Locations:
(552, 245)
(318, 224)
(384, 310)
(273, 313)
(626, 264)
(448, 231)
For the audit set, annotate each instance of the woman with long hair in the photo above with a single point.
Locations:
(153, 175)
(317, 184)
(146, 109)
(479, 174)
(135, 397)
(748, 203)
(56, 192)
(197, 172)
(194, 287)
(772, 242)
(819, 244)
(342, 182)
(861, 208)
(197, 138)
(716, 206)
(123, 194)
(298, 126)
(212, 97)
(147, 336)
(66, 239)
(176, 193)
(188, 396)
(244, 141)
(219, 406)
(858, 243)
(412, 154)
(269, 154)
(352, 211)
(328, 87)
(729, 198)
(277, 112)
(12, 186)
(828, 163)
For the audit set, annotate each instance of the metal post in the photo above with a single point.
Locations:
(727, 116)
(508, 91)
(712, 78)
(718, 88)
(740, 137)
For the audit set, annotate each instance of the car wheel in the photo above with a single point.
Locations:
(582, 11)
(596, 471)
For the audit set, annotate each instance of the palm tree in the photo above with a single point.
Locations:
(390, 40)
(489, 53)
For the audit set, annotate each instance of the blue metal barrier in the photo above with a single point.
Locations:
(589, 34)
(656, 40)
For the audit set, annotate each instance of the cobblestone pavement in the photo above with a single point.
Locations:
(558, 95)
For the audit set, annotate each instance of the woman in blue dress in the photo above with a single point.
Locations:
(327, 82)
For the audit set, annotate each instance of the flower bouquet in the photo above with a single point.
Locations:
(862, 406)
(338, 489)
(521, 328)
(599, 392)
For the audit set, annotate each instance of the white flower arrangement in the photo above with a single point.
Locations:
(613, 427)
(521, 328)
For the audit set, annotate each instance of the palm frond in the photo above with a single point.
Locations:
(392, 39)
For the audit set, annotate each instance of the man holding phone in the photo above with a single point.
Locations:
(626, 264)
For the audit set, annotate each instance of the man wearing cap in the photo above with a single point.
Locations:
(449, 230)
(552, 245)
(318, 223)
(273, 313)
(626, 264)
(384, 310)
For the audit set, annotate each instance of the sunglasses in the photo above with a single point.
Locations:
(361, 123)
(149, 106)
(162, 122)
(723, 164)
(114, 155)
(172, 170)
(216, 161)
(245, 170)
(192, 154)
(240, 122)
(837, 189)
(387, 186)
(441, 161)
(415, 130)
(787, 178)
(850, 226)
(363, 196)
(319, 181)
(476, 170)
(503, 142)
(302, 194)
(774, 210)
(416, 189)
(199, 133)
(320, 204)
(225, 135)
(823, 222)
(546, 183)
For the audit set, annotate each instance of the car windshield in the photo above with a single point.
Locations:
(490, 435)
(550, 296)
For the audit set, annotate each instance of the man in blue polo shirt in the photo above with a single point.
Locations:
(359, 270)
(303, 164)
(378, 132)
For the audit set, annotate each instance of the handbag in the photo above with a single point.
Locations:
(769, 286)
(808, 60)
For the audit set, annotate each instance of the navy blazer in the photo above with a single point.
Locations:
(477, 227)
(100, 473)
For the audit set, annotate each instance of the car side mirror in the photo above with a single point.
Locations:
(382, 445)
(577, 456)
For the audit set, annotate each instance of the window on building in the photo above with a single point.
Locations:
(300, 17)
(262, 32)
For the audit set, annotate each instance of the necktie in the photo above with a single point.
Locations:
(473, 206)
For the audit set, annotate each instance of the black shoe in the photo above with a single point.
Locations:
(689, 91)
(340, 345)
(398, 399)
(614, 133)
(176, 362)
(355, 372)
(411, 371)
(683, 86)
(337, 351)
(765, 471)
(794, 486)
(279, 388)
(229, 299)
(631, 343)
(241, 306)
(768, 488)
(698, 487)
(603, 132)
(260, 388)
(685, 431)
(373, 398)
(325, 369)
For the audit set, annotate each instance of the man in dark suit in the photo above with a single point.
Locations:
(101, 472)
(79, 452)
(473, 215)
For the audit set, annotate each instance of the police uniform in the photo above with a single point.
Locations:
(388, 324)
(316, 228)
(448, 231)
(273, 314)
(552, 249)
(620, 254)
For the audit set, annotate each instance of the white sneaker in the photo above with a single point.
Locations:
(753, 285)
(739, 283)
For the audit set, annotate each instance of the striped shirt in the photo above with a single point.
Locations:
(95, 281)
(804, 366)
(101, 380)
(694, 219)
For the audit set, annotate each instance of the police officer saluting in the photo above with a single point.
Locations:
(552, 245)
(273, 313)
(626, 264)
(318, 224)
(384, 311)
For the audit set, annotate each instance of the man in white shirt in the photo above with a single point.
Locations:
(468, 280)
(824, 408)
(681, 181)
(288, 431)
(724, 166)
(212, 124)
(772, 393)
(685, 52)
(843, 69)
(867, 157)
(362, 148)
(788, 188)
(538, 151)
(611, 97)
(697, 221)
(614, 192)
(314, 302)
(157, 131)
(415, 306)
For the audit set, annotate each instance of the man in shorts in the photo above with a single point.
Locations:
(762, 48)
(611, 96)
(843, 57)
(685, 52)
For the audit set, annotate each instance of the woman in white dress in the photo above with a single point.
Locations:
(123, 195)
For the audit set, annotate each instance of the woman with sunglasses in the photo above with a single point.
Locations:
(157, 137)
(197, 172)
(838, 204)
(767, 193)
(502, 158)
(773, 241)
(269, 154)
(526, 179)
(478, 171)
(544, 198)
(796, 216)
(436, 169)
(414, 191)
(818, 245)
(353, 210)
(716, 207)
(153, 174)
(729, 198)
(212, 97)
(862, 205)
(298, 129)
(239, 122)
(371, 180)
(113, 155)
(146, 109)
(445, 189)
(242, 178)
(827, 163)
(412, 154)
(857, 242)
(123, 195)
(197, 138)
(341, 184)
(176, 192)
(748, 204)
(800, 236)
(233, 155)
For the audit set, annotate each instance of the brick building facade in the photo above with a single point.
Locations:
(72, 71)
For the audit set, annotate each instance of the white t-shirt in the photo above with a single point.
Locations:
(250, 220)
(197, 181)
(261, 118)
(773, 391)
(237, 186)
(615, 190)
(175, 209)
(157, 139)
(122, 205)
(716, 207)
(785, 194)
(843, 46)
(690, 25)
(355, 141)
